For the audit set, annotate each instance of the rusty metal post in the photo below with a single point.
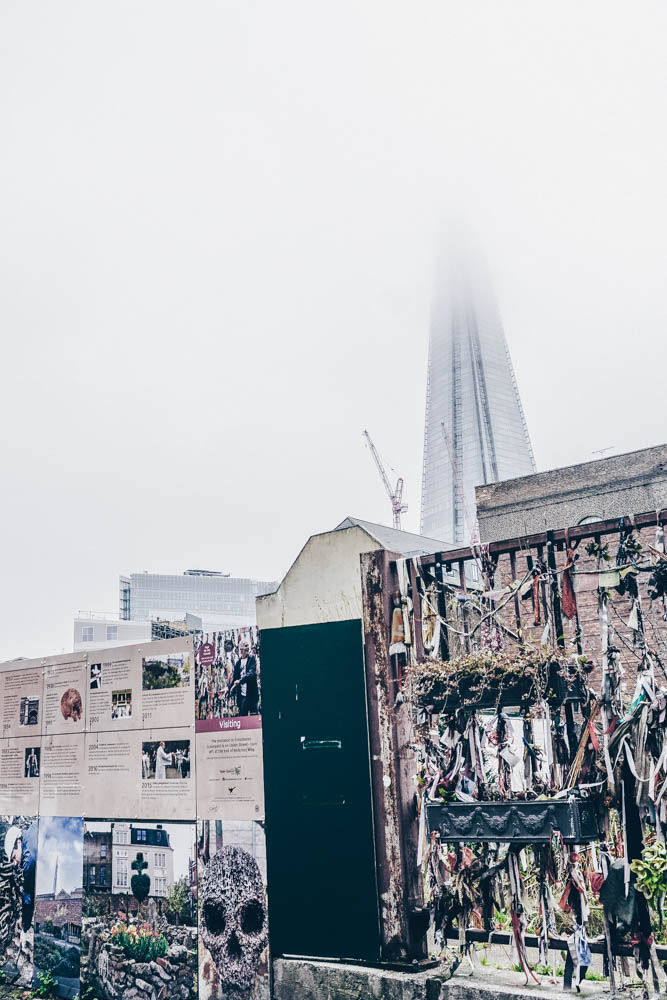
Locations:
(402, 917)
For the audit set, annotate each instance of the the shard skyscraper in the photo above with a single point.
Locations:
(475, 430)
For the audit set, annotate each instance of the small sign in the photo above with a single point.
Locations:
(206, 654)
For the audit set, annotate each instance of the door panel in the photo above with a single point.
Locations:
(320, 854)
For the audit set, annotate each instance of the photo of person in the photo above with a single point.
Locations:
(121, 704)
(95, 676)
(165, 760)
(244, 687)
(71, 706)
(171, 670)
(18, 856)
(59, 900)
(32, 755)
(29, 711)
(227, 674)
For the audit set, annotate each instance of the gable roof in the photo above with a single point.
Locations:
(395, 540)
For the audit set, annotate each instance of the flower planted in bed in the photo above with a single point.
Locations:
(142, 944)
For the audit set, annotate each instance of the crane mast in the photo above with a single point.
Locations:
(395, 495)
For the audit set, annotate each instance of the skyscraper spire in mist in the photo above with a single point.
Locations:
(472, 391)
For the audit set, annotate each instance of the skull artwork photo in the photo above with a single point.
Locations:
(233, 922)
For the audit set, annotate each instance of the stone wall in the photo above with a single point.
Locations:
(113, 976)
(304, 979)
(301, 979)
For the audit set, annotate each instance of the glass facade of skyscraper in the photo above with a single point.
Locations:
(221, 601)
(475, 431)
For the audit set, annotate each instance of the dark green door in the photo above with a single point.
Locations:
(320, 853)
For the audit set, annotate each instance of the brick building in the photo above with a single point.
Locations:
(97, 861)
(516, 558)
(61, 913)
(617, 486)
(526, 523)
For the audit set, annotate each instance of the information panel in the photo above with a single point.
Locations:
(108, 761)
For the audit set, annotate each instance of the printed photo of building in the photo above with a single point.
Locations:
(59, 902)
(97, 861)
(152, 841)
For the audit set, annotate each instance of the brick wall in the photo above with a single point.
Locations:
(587, 607)
(611, 487)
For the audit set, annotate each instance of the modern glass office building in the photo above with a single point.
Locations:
(220, 600)
(472, 393)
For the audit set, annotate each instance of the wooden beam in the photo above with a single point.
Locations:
(579, 531)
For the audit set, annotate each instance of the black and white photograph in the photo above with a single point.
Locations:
(121, 704)
(29, 711)
(32, 758)
(95, 673)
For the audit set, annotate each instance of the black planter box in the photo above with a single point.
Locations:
(515, 822)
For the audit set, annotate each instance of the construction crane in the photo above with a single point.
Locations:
(395, 495)
(470, 522)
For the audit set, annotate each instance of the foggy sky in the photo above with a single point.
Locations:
(218, 225)
(61, 840)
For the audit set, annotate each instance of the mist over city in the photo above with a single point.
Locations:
(219, 249)
(333, 646)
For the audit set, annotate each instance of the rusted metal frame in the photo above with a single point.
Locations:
(489, 578)
(597, 946)
(406, 766)
(400, 889)
(577, 623)
(465, 618)
(530, 566)
(555, 593)
(376, 622)
(557, 621)
(544, 595)
(577, 532)
(517, 600)
(442, 610)
(418, 637)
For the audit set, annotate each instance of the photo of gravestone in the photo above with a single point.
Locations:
(139, 936)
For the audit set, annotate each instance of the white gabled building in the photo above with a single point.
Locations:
(150, 839)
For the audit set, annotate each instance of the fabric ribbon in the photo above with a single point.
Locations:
(516, 913)
(568, 599)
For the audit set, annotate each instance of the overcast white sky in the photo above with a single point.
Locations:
(217, 233)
